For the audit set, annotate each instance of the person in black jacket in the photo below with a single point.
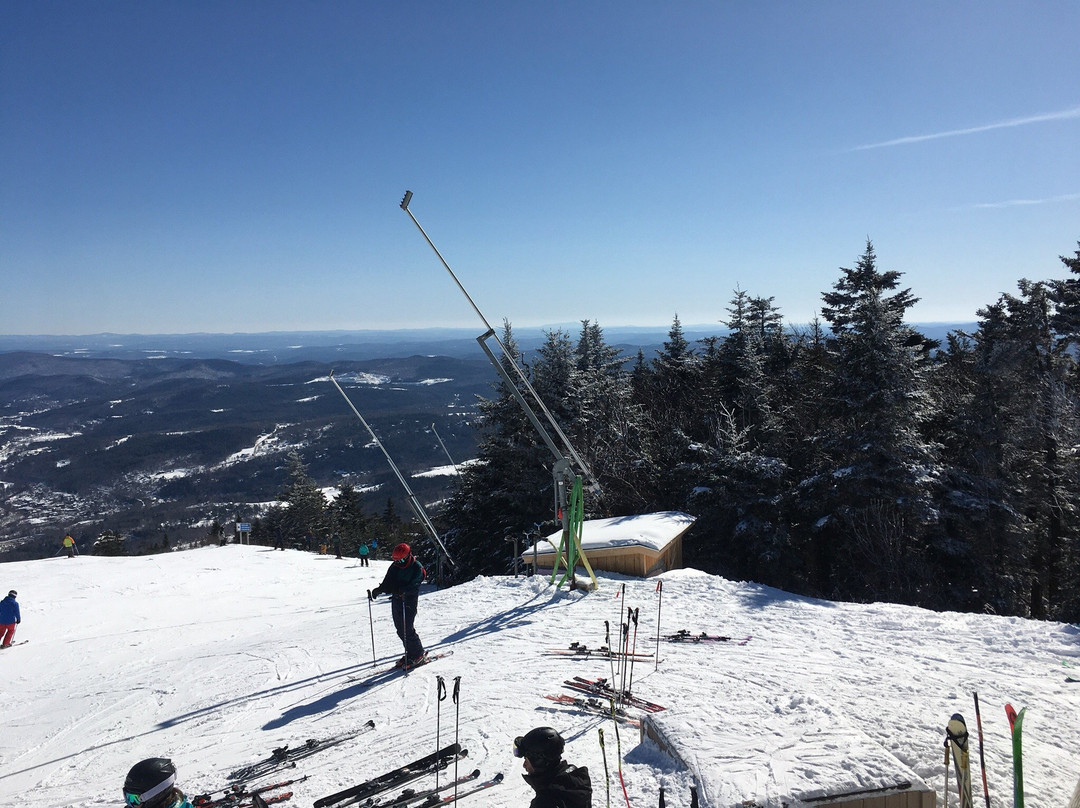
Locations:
(402, 582)
(558, 784)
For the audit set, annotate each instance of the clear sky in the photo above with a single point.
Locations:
(171, 167)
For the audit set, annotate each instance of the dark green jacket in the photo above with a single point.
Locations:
(400, 580)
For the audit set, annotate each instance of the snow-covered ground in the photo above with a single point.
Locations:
(215, 656)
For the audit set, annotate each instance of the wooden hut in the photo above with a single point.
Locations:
(641, 545)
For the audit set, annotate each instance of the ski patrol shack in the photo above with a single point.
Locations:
(642, 545)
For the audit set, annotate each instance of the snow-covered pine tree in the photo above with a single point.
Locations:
(876, 486)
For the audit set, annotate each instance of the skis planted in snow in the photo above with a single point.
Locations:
(1016, 725)
(957, 734)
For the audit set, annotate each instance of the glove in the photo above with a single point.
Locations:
(374, 593)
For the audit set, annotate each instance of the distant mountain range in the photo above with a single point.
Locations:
(280, 347)
(155, 434)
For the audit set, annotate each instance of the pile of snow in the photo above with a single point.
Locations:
(215, 656)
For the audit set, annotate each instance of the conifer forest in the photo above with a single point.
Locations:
(852, 458)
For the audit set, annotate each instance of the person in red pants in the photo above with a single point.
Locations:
(9, 618)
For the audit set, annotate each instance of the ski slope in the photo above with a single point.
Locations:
(215, 656)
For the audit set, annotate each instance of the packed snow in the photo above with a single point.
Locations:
(215, 656)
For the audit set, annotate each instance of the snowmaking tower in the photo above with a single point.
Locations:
(570, 473)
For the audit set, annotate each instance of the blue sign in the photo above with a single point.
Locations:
(243, 527)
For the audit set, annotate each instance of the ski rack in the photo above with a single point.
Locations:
(569, 484)
(418, 509)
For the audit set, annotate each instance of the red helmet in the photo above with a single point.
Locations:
(402, 551)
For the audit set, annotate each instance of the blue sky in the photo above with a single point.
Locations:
(173, 167)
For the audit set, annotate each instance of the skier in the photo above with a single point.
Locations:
(402, 582)
(69, 545)
(363, 551)
(151, 783)
(9, 618)
(558, 784)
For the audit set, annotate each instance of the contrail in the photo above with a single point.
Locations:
(1063, 115)
(1012, 203)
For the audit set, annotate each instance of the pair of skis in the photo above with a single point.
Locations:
(428, 764)
(684, 635)
(428, 798)
(286, 757)
(387, 673)
(596, 706)
(577, 649)
(238, 795)
(601, 687)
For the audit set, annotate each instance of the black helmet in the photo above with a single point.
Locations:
(148, 780)
(543, 747)
(12, 594)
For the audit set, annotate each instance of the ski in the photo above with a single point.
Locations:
(449, 798)
(386, 673)
(956, 732)
(12, 645)
(601, 687)
(399, 776)
(580, 650)
(596, 706)
(370, 797)
(425, 796)
(235, 794)
(685, 636)
(284, 757)
(1016, 725)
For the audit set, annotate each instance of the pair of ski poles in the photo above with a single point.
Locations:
(441, 697)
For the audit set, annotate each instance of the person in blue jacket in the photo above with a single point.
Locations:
(9, 618)
(402, 582)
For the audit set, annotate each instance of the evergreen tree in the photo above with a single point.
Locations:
(305, 503)
(347, 517)
(874, 490)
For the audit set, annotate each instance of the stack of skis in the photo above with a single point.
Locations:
(374, 793)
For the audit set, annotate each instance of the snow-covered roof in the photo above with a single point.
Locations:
(653, 531)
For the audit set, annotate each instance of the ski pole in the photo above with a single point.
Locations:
(457, 725)
(440, 697)
(618, 751)
(633, 651)
(607, 777)
(946, 792)
(610, 651)
(982, 759)
(371, 622)
(659, 603)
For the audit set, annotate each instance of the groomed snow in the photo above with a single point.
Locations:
(217, 655)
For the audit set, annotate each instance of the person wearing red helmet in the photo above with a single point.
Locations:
(402, 583)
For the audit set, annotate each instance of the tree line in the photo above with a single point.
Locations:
(852, 458)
